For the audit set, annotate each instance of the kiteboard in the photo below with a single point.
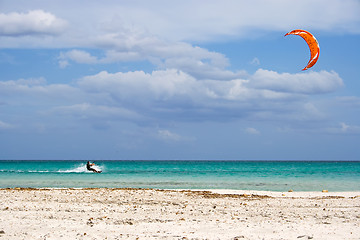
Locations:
(97, 169)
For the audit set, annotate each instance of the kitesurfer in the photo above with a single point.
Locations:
(89, 168)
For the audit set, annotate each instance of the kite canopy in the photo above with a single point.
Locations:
(312, 43)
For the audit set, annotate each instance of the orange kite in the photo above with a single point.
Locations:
(312, 43)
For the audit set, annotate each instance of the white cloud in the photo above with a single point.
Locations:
(201, 68)
(63, 63)
(255, 61)
(31, 23)
(306, 83)
(4, 125)
(344, 129)
(252, 131)
(309, 109)
(78, 56)
(167, 135)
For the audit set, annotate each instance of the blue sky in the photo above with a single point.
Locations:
(178, 80)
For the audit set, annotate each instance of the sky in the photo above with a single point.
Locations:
(178, 80)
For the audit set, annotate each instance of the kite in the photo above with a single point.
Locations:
(312, 43)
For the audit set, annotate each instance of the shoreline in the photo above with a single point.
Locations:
(290, 193)
(133, 213)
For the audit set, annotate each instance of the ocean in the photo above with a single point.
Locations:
(237, 175)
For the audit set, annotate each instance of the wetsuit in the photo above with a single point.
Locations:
(89, 168)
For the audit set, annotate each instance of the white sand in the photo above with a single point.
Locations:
(156, 214)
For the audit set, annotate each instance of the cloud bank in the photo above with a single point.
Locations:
(178, 21)
(173, 95)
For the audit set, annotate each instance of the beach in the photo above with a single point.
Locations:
(105, 213)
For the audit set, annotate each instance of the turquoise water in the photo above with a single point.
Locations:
(241, 175)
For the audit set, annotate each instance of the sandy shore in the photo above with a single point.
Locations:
(170, 214)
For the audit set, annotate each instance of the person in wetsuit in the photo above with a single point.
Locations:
(89, 168)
